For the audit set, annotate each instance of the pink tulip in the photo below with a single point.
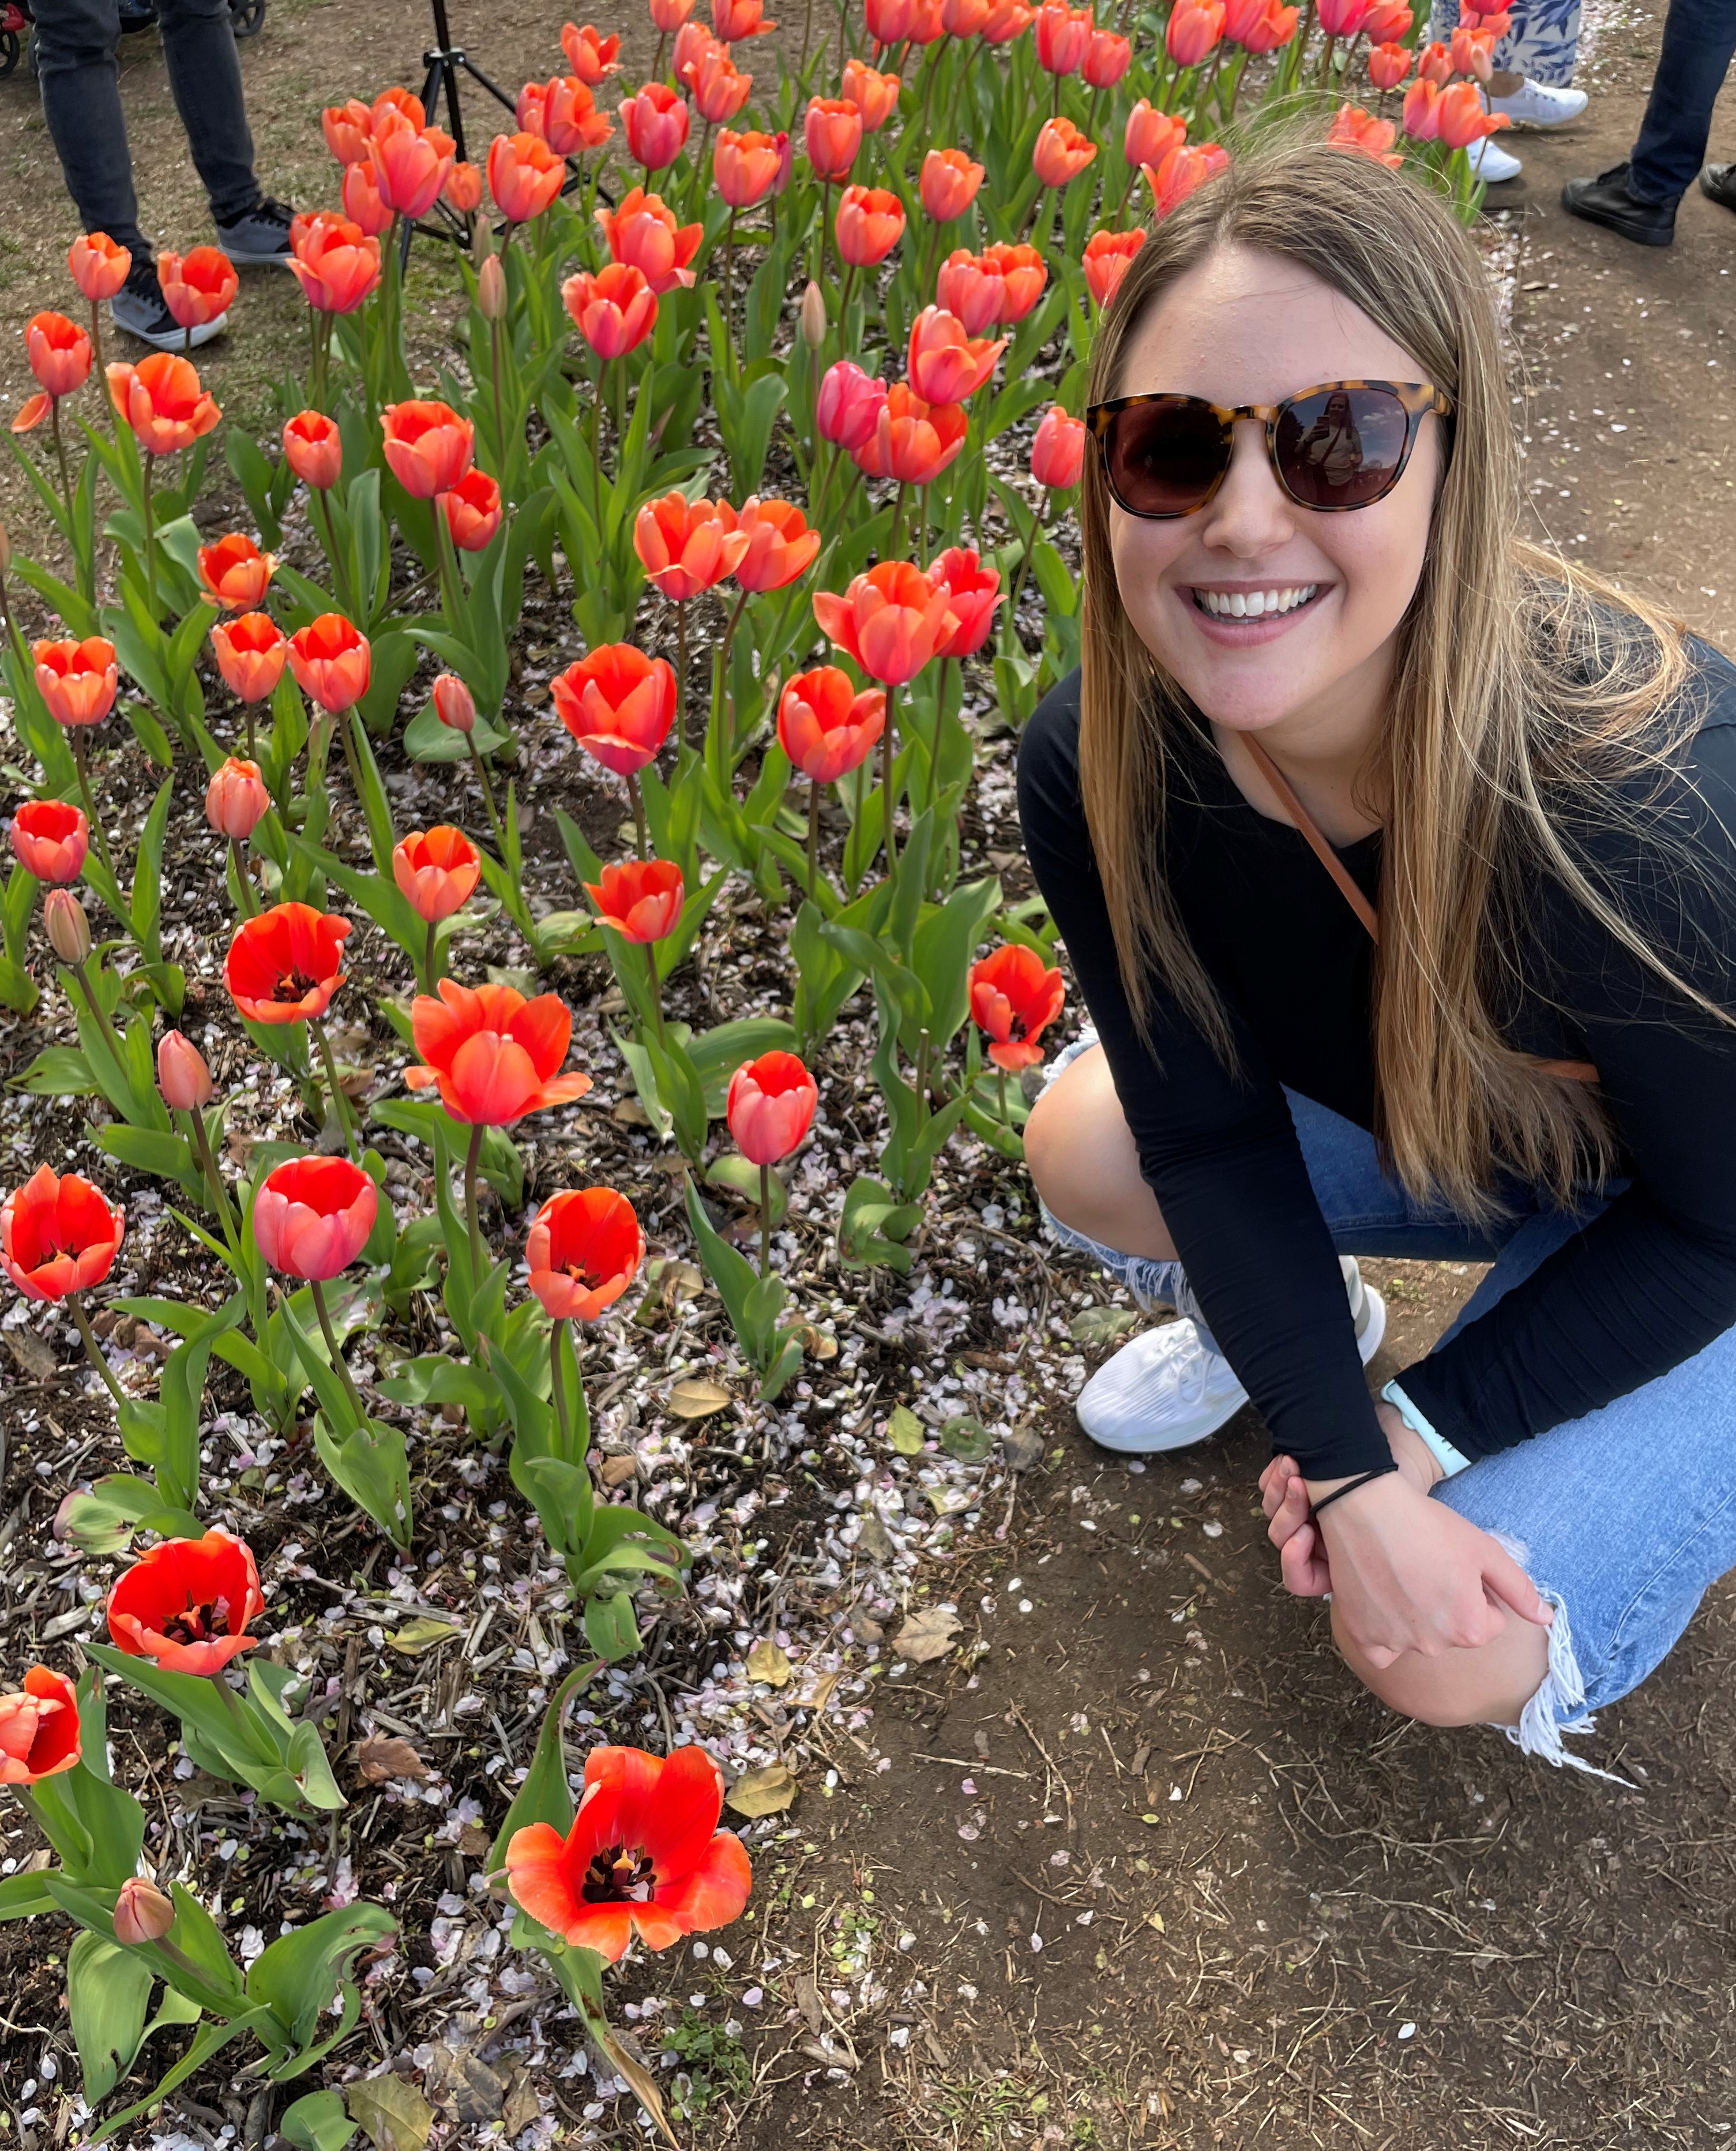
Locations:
(770, 1106)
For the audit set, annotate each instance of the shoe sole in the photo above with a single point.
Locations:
(1367, 1344)
(255, 260)
(177, 343)
(1635, 236)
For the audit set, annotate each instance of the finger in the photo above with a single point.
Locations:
(1304, 1571)
(1290, 1515)
(1503, 1579)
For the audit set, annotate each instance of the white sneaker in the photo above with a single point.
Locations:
(1490, 163)
(1166, 1389)
(1538, 105)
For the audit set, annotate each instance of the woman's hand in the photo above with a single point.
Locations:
(1290, 1526)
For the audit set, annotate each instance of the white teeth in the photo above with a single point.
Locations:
(1253, 605)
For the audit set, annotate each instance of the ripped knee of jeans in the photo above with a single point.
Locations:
(1559, 1704)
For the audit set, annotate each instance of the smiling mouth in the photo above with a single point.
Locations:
(1255, 605)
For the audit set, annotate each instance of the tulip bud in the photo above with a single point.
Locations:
(453, 703)
(68, 929)
(491, 290)
(235, 800)
(142, 1913)
(814, 316)
(182, 1075)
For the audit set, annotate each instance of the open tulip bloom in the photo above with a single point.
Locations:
(58, 1239)
(283, 967)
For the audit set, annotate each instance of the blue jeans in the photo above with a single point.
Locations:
(1622, 1519)
(1699, 36)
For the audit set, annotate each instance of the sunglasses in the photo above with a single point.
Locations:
(1340, 446)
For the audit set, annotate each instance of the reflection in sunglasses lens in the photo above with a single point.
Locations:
(1164, 458)
(1340, 447)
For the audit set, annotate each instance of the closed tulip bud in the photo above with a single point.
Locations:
(142, 1913)
(453, 703)
(1435, 64)
(235, 800)
(491, 290)
(814, 316)
(1388, 65)
(68, 929)
(182, 1075)
(1057, 455)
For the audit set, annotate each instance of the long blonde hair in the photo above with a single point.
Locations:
(1524, 691)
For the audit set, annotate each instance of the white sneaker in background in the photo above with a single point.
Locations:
(1166, 1389)
(1537, 105)
(1490, 163)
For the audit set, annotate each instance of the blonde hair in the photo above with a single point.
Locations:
(1525, 691)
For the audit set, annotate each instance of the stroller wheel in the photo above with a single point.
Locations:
(247, 18)
(10, 49)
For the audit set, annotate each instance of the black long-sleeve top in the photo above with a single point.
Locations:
(1648, 1283)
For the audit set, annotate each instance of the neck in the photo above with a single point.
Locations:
(1323, 747)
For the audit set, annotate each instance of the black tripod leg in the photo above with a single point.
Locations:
(492, 87)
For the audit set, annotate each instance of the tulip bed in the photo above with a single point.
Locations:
(755, 454)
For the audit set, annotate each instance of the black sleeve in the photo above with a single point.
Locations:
(1220, 1154)
(1652, 1280)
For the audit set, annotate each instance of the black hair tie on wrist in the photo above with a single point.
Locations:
(1350, 1486)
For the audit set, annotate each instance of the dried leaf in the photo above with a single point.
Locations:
(948, 1501)
(461, 2079)
(764, 1792)
(1102, 1325)
(696, 1397)
(629, 1113)
(930, 1634)
(679, 1281)
(379, 1760)
(768, 1663)
(873, 1539)
(1022, 1448)
(820, 1694)
(393, 2113)
(817, 1344)
(904, 1429)
(34, 1354)
(420, 1634)
(616, 1471)
(638, 2077)
(521, 2106)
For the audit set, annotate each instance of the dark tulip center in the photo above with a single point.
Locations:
(293, 986)
(620, 1876)
(198, 1624)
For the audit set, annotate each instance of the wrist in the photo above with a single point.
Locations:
(1410, 1452)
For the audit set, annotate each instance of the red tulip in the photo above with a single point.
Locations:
(331, 662)
(889, 21)
(772, 1102)
(99, 267)
(780, 545)
(1462, 118)
(411, 164)
(493, 1054)
(1064, 35)
(473, 510)
(524, 175)
(1353, 129)
(235, 800)
(1150, 136)
(312, 1218)
(186, 1602)
(892, 620)
(58, 1235)
(1108, 256)
(199, 287)
(362, 202)
(614, 310)
(59, 352)
(1182, 171)
(335, 263)
(78, 679)
(1062, 153)
(946, 366)
(733, 20)
(950, 182)
(1108, 59)
(1057, 454)
(875, 96)
(973, 591)
(641, 901)
(251, 652)
(404, 102)
(51, 839)
(1422, 116)
(584, 1249)
(142, 1913)
(234, 572)
(686, 546)
(832, 130)
(39, 1728)
(348, 128)
(642, 230)
(182, 1075)
(618, 704)
(438, 869)
(656, 122)
(1389, 21)
(1343, 18)
(282, 966)
(428, 446)
(590, 54)
(314, 448)
(644, 1855)
(161, 400)
(1014, 997)
(870, 222)
(825, 726)
(453, 703)
(744, 167)
(719, 89)
(914, 440)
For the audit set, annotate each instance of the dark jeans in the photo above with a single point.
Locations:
(75, 46)
(1699, 36)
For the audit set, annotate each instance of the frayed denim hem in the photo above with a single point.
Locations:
(1559, 1705)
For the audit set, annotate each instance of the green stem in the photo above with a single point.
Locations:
(340, 1365)
(886, 832)
(472, 1158)
(487, 793)
(650, 962)
(340, 1104)
(645, 848)
(428, 981)
(339, 574)
(214, 1179)
(249, 902)
(81, 972)
(813, 838)
(939, 719)
(151, 547)
(558, 1385)
(1002, 1075)
(90, 812)
(764, 1220)
(681, 673)
(66, 482)
(93, 1350)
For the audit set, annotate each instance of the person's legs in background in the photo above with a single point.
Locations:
(1532, 84)
(204, 74)
(1638, 199)
(75, 47)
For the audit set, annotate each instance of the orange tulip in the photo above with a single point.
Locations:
(199, 287)
(875, 96)
(493, 1054)
(945, 365)
(234, 572)
(473, 510)
(950, 182)
(428, 446)
(1108, 59)
(58, 1235)
(59, 352)
(454, 704)
(99, 267)
(1023, 274)
(831, 133)
(438, 869)
(362, 202)
(403, 102)
(1353, 129)
(1008, 19)
(656, 122)
(583, 1251)
(182, 1075)
(870, 222)
(1108, 256)
(825, 726)
(1389, 21)
(1470, 53)
(1064, 35)
(1422, 116)
(313, 449)
(590, 54)
(283, 966)
(693, 44)
(1193, 28)
(686, 546)
(1461, 117)
(1435, 64)
(973, 591)
(1149, 135)
(891, 621)
(733, 20)
(780, 545)
(1057, 454)
(336, 263)
(39, 1732)
(412, 164)
(251, 652)
(1182, 171)
(51, 839)
(1014, 997)
(914, 441)
(160, 399)
(347, 129)
(524, 175)
(1062, 153)
(744, 167)
(78, 679)
(1388, 65)
(889, 21)
(718, 87)
(963, 19)
(640, 901)
(1275, 27)
(614, 310)
(618, 704)
(642, 231)
(235, 800)
(331, 660)
(568, 118)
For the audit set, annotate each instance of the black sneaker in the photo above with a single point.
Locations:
(1606, 200)
(138, 308)
(1717, 183)
(260, 234)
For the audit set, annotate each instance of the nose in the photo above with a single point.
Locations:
(1250, 513)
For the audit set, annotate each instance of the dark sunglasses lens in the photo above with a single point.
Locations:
(1342, 448)
(1164, 457)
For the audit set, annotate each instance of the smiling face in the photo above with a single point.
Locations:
(1247, 327)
